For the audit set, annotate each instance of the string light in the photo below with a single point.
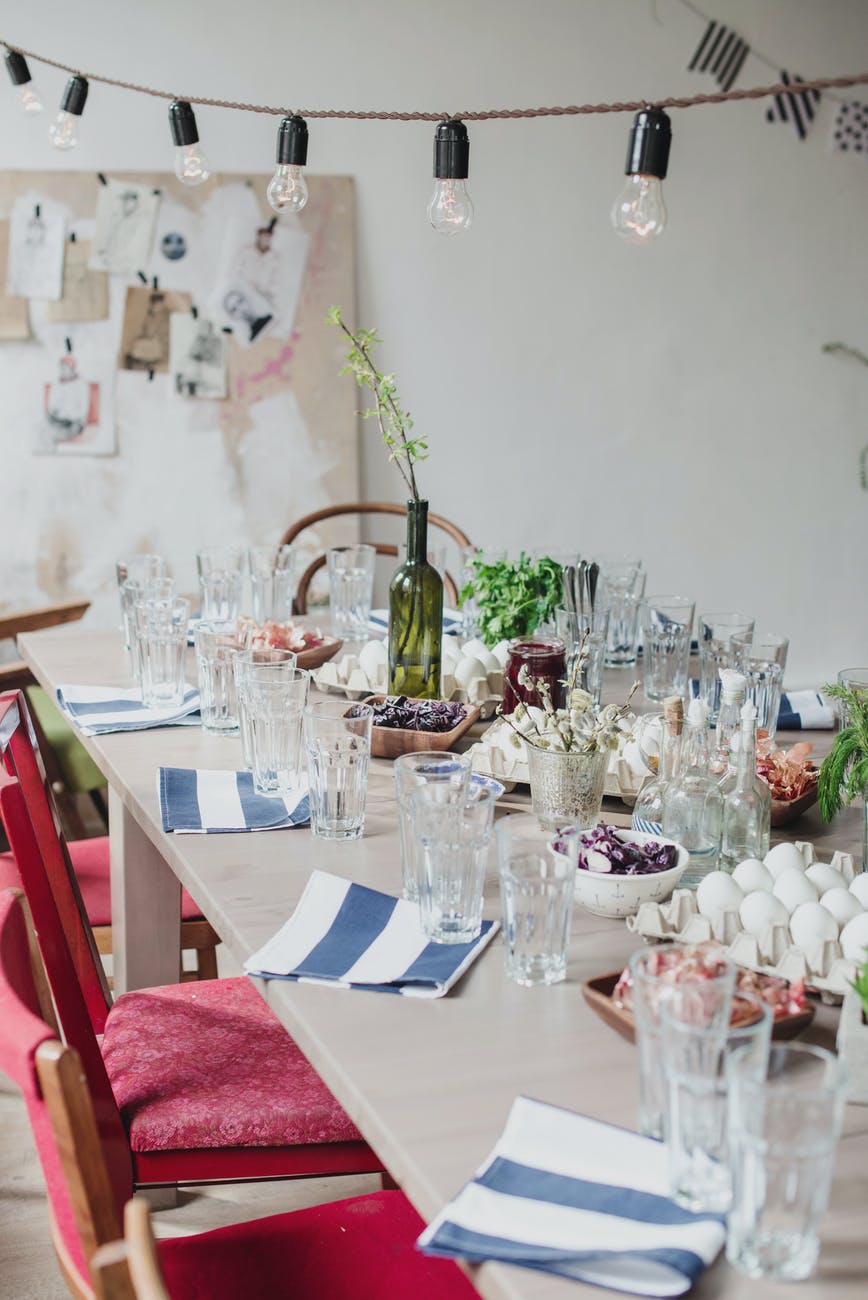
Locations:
(63, 132)
(450, 210)
(287, 189)
(191, 165)
(639, 213)
(19, 75)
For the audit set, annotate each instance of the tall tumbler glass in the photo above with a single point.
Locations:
(274, 707)
(145, 567)
(694, 1063)
(471, 556)
(452, 829)
(573, 628)
(715, 633)
(338, 741)
(351, 589)
(537, 894)
(217, 644)
(667, 625)
(272, 583)
(623, 640)
(762, 658)
(706, 1000)
(136, 592)
(161, 636)
(424, 767)
(783, 1132)
(267, 662)
(221, 579)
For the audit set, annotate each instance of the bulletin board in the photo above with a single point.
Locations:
(187, 393)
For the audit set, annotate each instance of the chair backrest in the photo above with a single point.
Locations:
(130, 1269)
(85, 1202)
(365, 508)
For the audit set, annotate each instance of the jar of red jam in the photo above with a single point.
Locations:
(546, 660)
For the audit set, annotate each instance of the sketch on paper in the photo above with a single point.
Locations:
(35, 260)
(260, 279)
(145, 334)
(14, 316)
(197, 356)
(85, 292)
(125, 216)
(77, 416)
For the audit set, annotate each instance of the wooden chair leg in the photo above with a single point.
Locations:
(199, 936)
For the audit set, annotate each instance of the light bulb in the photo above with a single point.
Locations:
(287, 189)
(63, 132)
(450, 210)
(31, 100)
(19, 75)
(191, 165)
(639, 213)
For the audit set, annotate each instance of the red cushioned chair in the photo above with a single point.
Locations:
(358, 1249)
(195, 1082)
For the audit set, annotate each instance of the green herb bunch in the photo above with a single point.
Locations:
(513, 596)
(844, 771)
(860, 984)
(396, 424)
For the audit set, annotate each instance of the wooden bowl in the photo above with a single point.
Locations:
(786, 811)
(598, 995)
(391, 742)
(318, 654)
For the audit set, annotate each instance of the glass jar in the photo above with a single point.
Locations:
(546, 659)
(566, 789)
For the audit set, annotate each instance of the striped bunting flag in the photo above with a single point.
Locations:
(218, 803)
(346, 934)
(795, 106)
(569, 1195)
(97, 710)
(720, 52)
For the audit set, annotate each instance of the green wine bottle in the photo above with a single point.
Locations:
(415, 615)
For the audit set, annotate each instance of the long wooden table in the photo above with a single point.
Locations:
(429, 1083)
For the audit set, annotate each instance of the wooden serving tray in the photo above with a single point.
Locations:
(786, 811)
(391, 742)
(318, 654)
(598, 995)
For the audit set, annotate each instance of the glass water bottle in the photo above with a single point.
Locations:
(733, 686)
(648, 809)
(693, 804)
(747, 808)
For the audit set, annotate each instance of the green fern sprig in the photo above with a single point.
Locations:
(843, 774)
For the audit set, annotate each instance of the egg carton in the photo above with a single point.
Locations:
(822, 967)
(367, 672)
(493, 756)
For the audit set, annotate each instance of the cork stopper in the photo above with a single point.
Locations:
(673, 714)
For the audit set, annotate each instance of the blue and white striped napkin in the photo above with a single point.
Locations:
(569, 1195)
(96, 710)
(200, 802)
(355, 937)
(806, 711)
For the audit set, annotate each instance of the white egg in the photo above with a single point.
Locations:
(718, 891)
(854, 938)
(859, 887)
(372, 657)
(842, 905)
(469, 670)
(810, 924)
(751, 875)
(759, 910)
(450, 650)
(492, 664)
(782, 857)
(501, 652)
(474, 648)
(825, 877)
(793, 887)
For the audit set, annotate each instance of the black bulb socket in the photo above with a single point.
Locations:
(451, 151)
(292, 142)
(182, 121)
(74, 96)
(650, 138)
(16, 66)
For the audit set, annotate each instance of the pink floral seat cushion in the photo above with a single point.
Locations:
(208, 1065)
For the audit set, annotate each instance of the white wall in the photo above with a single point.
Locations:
(671, 400)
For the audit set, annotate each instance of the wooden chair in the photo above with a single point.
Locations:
(382, 548)
(194, 1082)
(357, 1249)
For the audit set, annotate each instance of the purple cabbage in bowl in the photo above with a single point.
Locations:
(406, 714)
(603, 852)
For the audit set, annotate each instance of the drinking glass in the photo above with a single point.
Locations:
(470, 557)
(621, 573)
(351, 587)
(546, 660)
(138, 568)
(270, 664)
(135, 592)
(623, 640)
(762, 658)
(667, 623)
(715, 633)
(706, 1001)
(856, 679)
(783, 1131)
(221, 578)
(694, 1062)
(161, 637)
(452, 829)
(537, 892)
(272, 583)
(425, 767)
(217, 643)
(274, 708)
(594, 628)
(338, 741)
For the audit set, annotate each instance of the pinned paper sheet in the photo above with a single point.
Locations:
(85, 292)
(145, 338)
(197, 356)
(35, 261)
(76, 415)
(259, 280)
(125, 215)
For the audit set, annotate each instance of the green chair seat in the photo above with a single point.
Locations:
(80, 773)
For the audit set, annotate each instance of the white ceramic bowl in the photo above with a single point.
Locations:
(609, 894)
